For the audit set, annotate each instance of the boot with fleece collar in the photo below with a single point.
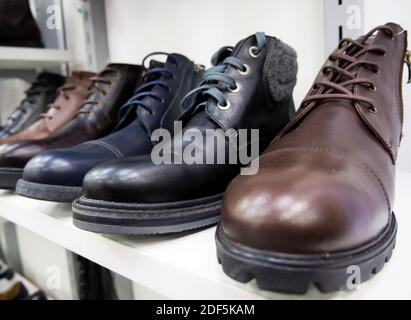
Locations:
(249, 87)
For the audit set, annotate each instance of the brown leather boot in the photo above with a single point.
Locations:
(69, 99)
(17, 25)
(320, 209)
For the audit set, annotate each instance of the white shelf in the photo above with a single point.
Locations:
(185, 266)
(31, 287)
(12, 58)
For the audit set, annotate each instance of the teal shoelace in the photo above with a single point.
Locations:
(210, 84)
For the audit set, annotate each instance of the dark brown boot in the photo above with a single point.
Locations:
(320, 209)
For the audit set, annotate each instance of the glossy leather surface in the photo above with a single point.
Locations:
(96, 118)
(132, 137)
(139, 180)
(38, 96)
(326, 183)
(60, 111)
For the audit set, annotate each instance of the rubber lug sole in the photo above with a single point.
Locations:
(9, 177)
(145, 219)
(294, 274)
(47, 192)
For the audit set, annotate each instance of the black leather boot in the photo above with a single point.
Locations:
(40, 94)
(155, 104)
(17, 25)
(250, 87)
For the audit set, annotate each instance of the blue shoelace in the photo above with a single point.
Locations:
(209, 85)
(146, 89)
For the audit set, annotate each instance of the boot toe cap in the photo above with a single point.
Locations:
(118, 180)
(16, 154)
(300, 211)
(50, 167)
(65, 167)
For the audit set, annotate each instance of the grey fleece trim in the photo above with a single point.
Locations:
(280, 70)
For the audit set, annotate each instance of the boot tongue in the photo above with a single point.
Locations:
(220, 55)
(155, 64)
(250, 39)
(228, 51)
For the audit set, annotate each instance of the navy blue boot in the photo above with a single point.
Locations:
(57, 175)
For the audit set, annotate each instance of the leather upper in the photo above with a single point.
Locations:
(97, 116)
(326, 183)
(138, 179)
(38, 96)
(132, 136)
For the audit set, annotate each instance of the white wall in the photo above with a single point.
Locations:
(11, 94)
(379, 12)
(199, 28)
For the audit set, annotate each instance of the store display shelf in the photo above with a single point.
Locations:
(185, 265)
(12, 58)
(31, 287)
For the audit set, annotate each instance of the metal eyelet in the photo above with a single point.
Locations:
(252, 53)
(235, 89)
(225, 106)
(373, 110)
(246, 71)
(372, 88)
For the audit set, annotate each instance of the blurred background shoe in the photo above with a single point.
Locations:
(17, 291)
(40, 94)
(17, 25)
(6, 274)
(66, 105)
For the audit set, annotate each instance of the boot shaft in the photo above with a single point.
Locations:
(364, 77)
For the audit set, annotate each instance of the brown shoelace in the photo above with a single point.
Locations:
(62, 91)
(95, 81)
(342, 76)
